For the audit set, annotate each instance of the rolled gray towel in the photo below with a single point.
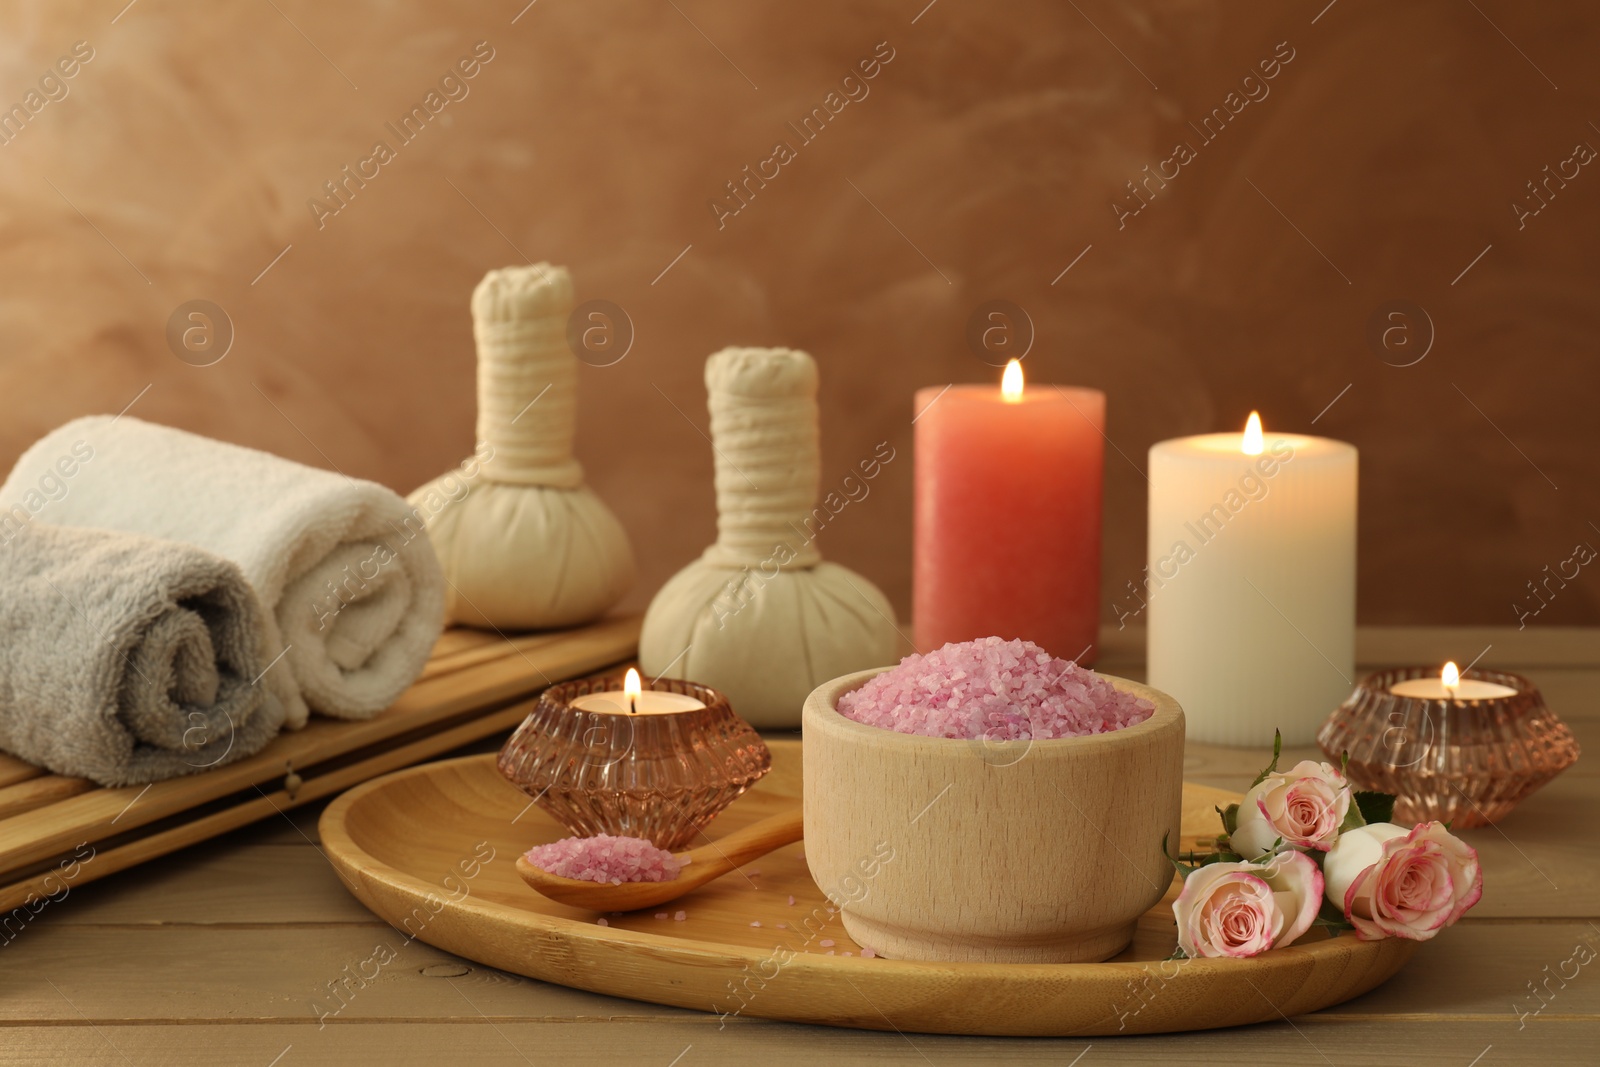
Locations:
(127, 659)
(352, 591)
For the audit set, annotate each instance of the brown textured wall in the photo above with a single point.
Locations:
(1382, 160)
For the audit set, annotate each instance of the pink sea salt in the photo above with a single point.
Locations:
(993, 690)
(868, 954)
(604, 858)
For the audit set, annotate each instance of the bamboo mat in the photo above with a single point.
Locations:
(475, 684)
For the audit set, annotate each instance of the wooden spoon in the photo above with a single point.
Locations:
(703, 864)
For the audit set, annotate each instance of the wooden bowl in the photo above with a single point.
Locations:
(994, 852)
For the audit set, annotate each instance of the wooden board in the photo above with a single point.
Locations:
(476, 684)
(408, 846)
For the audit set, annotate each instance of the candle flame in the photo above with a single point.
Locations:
(1451, 675)
(1251, 445)
(632, 687)
(1011, 383)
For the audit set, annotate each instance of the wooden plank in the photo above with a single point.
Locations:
(1393, 646)
(484, 647)
(296, 822)
(457, 648)
(13, 770)
(589, 1042)
(260, 806)
(37, 792)
(459, 639)
(262, 971)
(36, 836)
(1508, 647)
(232, 879)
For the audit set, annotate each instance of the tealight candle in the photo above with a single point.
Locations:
(634, 699)
(1451, 686)
(1451, 749)
(660, 772)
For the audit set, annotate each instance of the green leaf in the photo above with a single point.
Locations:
(1331, 918)
(1353, 819)
(1375, 806)
(1277, 751)
(1230, 818)
(1184, 870)
(1177, 954)
(1221, 857)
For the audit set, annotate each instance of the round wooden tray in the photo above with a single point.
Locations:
(414, 847)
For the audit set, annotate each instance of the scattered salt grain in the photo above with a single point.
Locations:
(661, 915)
(826, 942)
(847, 953)
(783, 926)
(791, 900)
(680, 916)
(604, 858)
(994, 690)
(756, 923)
(830, 952)
(602, 922)
(868, 954)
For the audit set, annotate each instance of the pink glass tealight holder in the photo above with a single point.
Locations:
(1463, 761)
(600, 769)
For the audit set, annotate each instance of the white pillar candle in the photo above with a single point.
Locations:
(1251, 583)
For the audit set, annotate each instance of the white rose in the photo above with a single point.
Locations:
(1394, 882)
(1243, 909)
(1304, 806)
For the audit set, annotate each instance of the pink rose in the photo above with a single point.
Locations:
(1243, 909)
(1304, 807)
(1392, 882)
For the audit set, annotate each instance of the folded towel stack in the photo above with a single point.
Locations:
(352, 591)
(127, 659)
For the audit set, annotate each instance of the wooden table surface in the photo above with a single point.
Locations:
(217, 954)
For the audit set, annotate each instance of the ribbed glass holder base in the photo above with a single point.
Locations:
(1466, 762)
(658, 776)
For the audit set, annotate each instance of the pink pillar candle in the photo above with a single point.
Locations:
(1007, 517)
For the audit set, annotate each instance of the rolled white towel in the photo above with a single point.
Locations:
(353, 592)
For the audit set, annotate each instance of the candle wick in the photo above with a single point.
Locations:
(633, 705)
